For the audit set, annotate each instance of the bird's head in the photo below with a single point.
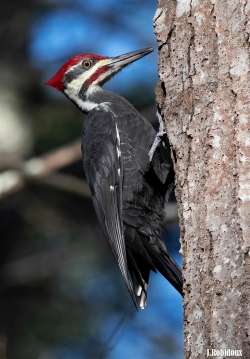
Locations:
(82, 71)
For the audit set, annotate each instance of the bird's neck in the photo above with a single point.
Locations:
(88, 99)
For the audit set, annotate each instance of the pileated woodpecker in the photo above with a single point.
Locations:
(128, 167)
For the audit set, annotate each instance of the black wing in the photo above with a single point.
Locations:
(104, 172)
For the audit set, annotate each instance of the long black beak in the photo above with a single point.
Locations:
(121, 61)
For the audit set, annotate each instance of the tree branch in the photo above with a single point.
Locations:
(39, 169)
(66, 183)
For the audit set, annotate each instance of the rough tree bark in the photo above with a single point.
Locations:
(204, 98)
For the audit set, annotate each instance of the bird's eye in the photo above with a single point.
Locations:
(86, 64)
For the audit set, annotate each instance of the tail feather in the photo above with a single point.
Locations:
(144, 256)
(139, 273)
(168, 268)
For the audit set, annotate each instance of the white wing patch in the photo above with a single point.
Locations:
(158, 136)
(117, 135)
(118, 147)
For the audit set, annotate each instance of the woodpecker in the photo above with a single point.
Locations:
(128, 168)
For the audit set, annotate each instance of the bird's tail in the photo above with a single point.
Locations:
(167, 267)
(145, 259)
(139, 273)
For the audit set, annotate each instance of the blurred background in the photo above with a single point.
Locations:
(62, 296)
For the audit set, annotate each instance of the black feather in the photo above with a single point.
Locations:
(129, 190)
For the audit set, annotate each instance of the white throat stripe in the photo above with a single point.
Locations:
(74, 87)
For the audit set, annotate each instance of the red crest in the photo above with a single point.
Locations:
(56, 81)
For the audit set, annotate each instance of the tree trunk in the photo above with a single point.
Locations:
(204, 98)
